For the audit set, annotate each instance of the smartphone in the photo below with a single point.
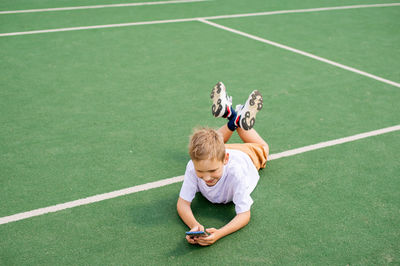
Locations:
(196, 233)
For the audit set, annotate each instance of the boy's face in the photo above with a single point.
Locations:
(210, 170)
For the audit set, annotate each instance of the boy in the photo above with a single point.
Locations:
(224, 172)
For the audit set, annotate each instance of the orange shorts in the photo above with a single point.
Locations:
(255, 151)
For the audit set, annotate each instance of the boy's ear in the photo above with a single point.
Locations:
(226, 158)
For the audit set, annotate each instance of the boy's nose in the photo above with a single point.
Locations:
(207, 178)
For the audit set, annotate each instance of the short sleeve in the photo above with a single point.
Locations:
(241, 196)
(243, 202)
(189, 187)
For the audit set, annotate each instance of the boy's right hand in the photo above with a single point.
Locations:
(193, 240)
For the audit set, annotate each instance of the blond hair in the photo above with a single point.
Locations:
(206, 144)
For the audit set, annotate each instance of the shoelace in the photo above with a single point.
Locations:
(229, 99)
(239, 107)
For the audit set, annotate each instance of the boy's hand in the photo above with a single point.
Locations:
(193, 240)
(209, 240)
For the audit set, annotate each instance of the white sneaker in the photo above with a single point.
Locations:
(246, 115)
(222, 104)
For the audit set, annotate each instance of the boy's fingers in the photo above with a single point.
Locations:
(197, 228)
(203, 243)
(190, 240)
(206, 239)
(211, 230)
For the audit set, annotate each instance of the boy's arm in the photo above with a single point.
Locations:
(186, 214)
(240, 221)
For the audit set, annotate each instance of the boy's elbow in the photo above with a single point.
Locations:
(248, 217)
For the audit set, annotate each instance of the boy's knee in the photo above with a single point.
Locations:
(266, 149)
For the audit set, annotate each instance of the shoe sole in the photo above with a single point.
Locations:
(255, 104)
(216, 98)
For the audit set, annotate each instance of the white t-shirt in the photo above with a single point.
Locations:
(238, 180)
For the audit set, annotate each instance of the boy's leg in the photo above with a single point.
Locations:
(251, 136)
(243, 116)
(225, 132)
(243, 121)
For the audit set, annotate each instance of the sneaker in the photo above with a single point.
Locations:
(222, 104)
(246, 115)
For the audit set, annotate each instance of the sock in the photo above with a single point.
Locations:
(232, 125)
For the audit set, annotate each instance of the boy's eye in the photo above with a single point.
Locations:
(208, 171)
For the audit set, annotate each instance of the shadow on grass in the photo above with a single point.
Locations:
(208, 214)
(162, 210)
(157, 218)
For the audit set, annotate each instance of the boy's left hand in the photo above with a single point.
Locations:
(209, 240)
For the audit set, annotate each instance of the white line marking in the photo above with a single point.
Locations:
(279, 12)
(89, 200)
(333, 142)
(165, 182)
(195, 19)
(98, 27)
(363, 73)
(99, 6)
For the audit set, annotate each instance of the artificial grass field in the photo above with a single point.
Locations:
(92, 111)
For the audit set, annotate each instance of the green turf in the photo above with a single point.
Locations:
(362, 39)
(60, 19)
(90, 112)
(333, 206)
(78, 121)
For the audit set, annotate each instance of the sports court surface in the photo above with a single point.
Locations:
(102, 97)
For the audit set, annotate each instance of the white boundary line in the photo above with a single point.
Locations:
(168, 181)
(333, 142)
(195, 19)
(97, 27)
(89, 200)
(318, 9)
(301, 53)
(99, 6)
